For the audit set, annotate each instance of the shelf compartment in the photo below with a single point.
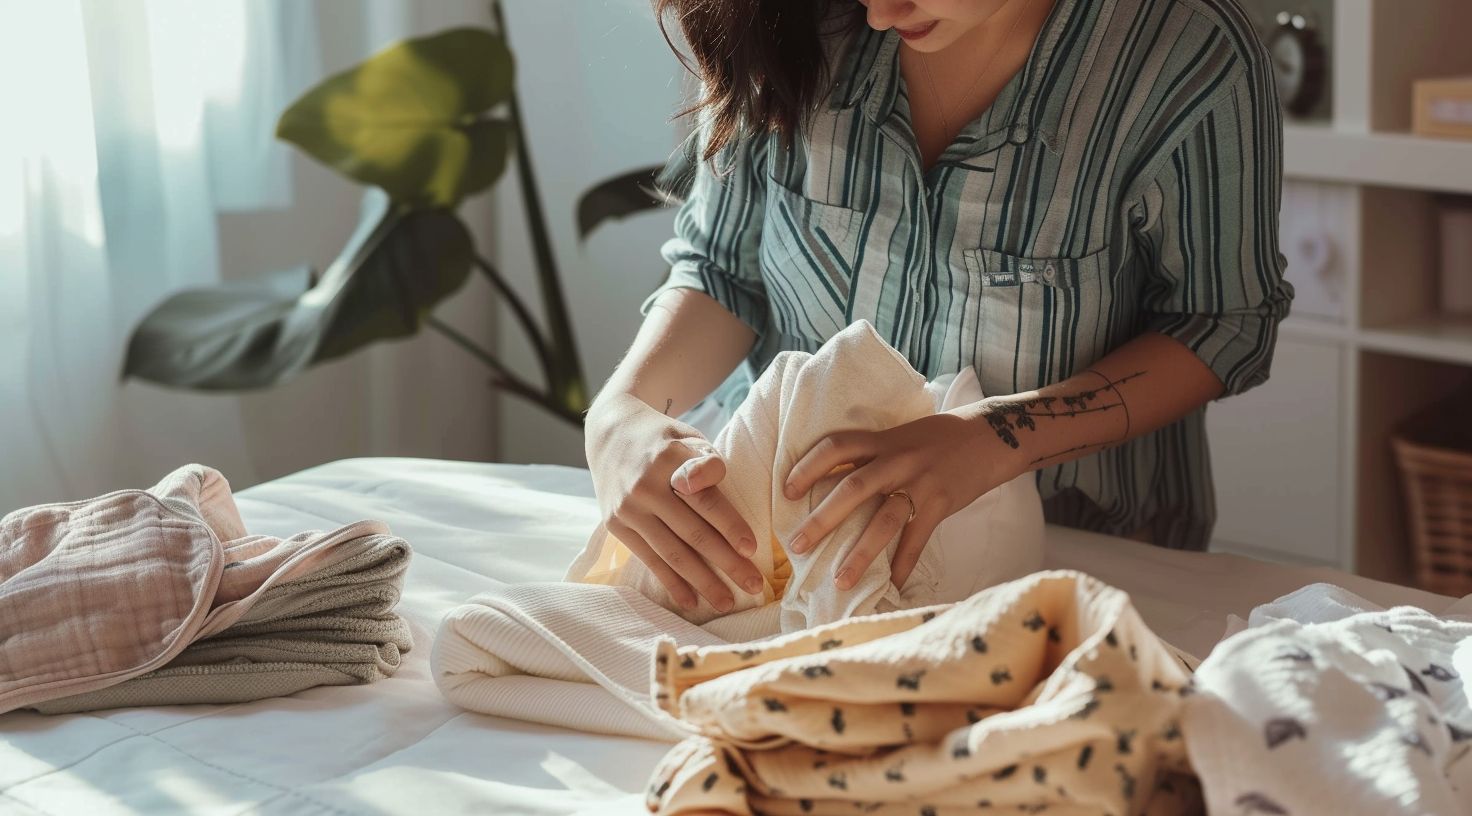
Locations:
(1441, 339)
(1400, 160)
(1392, 388)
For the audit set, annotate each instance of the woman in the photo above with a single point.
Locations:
(1078, 198)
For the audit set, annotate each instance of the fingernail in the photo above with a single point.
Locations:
(746, 547)
(724, 605)
(845, 578)
(689, 604)
(753, 585)
(790, 491)
(799, 544)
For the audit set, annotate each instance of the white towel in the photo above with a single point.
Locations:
(489, 652)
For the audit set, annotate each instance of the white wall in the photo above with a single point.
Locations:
(598, 87)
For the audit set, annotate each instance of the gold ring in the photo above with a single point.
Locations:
(908, 499)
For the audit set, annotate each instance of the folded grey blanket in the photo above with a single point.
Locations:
(335, 627)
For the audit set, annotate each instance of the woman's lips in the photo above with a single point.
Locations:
(917, 33)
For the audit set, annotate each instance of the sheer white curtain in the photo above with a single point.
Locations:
(129, 125)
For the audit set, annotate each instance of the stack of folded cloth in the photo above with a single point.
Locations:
(160, 597)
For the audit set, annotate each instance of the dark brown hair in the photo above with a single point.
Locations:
(762, 62)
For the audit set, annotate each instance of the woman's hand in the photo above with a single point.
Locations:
(657, 481)
(943, 462)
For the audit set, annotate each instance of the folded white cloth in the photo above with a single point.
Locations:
(1328, 703)
(856, 381)
(531, 651)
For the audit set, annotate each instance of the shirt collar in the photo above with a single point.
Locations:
(870, 75)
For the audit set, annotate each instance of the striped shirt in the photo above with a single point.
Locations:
(1127, 179)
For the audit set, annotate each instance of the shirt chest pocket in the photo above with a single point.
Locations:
(809, 251)
(1049, 317)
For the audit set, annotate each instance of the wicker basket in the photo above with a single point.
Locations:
(1434, 452)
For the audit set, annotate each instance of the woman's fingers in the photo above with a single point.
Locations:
(830, 452)
(912, 542)
(698, 473)
(685, 561)
(853, 490)
(698, 483)
(888, 521)
(677, 587)
(691, 520)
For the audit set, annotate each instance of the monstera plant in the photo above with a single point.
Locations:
(428, 121)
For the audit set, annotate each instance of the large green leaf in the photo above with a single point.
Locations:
(413, 119)
(618, 197)
(394, 271)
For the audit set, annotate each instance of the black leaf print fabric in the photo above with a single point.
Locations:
(1124, 741)
(1281, 729)
(1441, 674)
(1339, 716)
(886, 724)
(1260, 803)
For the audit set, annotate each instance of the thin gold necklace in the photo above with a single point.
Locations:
(941, 103)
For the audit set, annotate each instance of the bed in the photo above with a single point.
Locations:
(398, 747)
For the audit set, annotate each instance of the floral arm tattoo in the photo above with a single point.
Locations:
(1009, 419)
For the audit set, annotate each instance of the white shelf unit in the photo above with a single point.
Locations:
(1401, 160)
(1304, 467)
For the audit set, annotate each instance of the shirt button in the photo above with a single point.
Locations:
(1049, 273)
(1019, 134)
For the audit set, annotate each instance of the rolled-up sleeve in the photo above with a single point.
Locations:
(716, 248)
(1208, 222)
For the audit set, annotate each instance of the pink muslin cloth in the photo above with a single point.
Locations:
(96, 592)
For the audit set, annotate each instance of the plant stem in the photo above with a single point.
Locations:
(567, 384)
(523, 316)
(505, 377)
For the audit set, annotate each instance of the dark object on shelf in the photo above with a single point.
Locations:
(1434, 452)
(1300, 62)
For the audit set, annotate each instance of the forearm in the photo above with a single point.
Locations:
(1140, 387)
(687, 345)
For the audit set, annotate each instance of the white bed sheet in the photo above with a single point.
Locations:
(396, 746)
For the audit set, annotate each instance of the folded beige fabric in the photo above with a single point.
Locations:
(535, 652)
(856, 381)
(100, 601)
(1044, 694)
